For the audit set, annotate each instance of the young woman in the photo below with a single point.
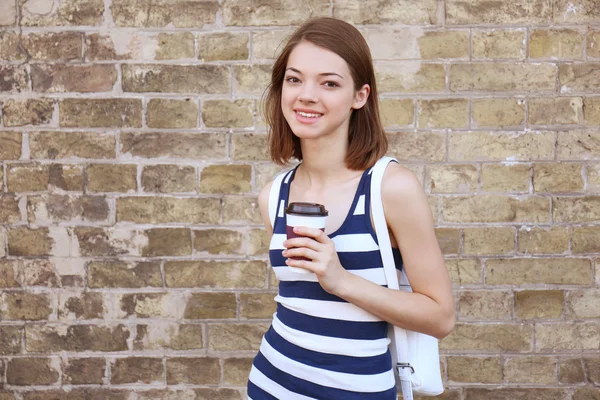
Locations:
(328, 339)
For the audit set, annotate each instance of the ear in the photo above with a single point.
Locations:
(361, 96)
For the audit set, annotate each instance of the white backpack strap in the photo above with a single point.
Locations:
(401, 342)
(274, 196)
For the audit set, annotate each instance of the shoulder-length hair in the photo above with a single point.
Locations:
(367, 139)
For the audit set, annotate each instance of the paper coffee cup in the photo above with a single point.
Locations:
(311, 215)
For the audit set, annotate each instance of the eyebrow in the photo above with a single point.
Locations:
(323, 74)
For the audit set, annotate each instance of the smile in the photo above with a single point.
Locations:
(308, 115)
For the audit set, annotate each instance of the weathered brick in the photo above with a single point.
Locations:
(173, 46)
(81, 371)
(249, 146)
(163, 13)
(475, 369)
(264, 174)
(10, 145)
(488, 12)
(591, 109)
(197, 371)
(451, 178)
(26, 306)
(503, 77)
(57, 145)
(100, 113)
(223, 46)
(169, 178)
(235, 336)
(593, 43)
(485, 305)
(10, 339)
(211, 305)
(52, 338)
(39, 272)
(228, 114)
(60, 78)
(488, 240)
(215, 274)
(9, 209)
(583, 304)
(383, 12)
(10, 270)
(69, 12)
(556, 111)
(218, 241)
(582, 11)
(410, 76)
(23, 241)
(464, 271)
(175, 114)
(498, 112)
(197, 79)
(397, 112)
(418, 146)
(543, 240)
(268, 44)
(241, 210)
(593, 178)
(448, 240)
(78, 394)
(586, 393)
(158, 210)
(444, 44)
(492, 337)
(557, 177)
(258, 242)
(128, 45)
(112, 178)
(571, 371)
(592, 366)
(498, 43)
(198, 394)
(443, 113)
(80, 305)
(501, 146)
(121, 274)
(559, 337)
(27, 112)
(257, 305)
(15, 78)
(527, 271)
(229, 179)
(55, 208)
(251, 79)
(179, 145)
(169, 335)
(168, 242)
(495, 208)
(32, 371)
(8, 14)
(137, 370)
(556, 44)
(578, 145)
(505, 177)
(584, 77)
(585, 239)
(253, 13)
(515, 394)
(534, 369)
(576, 209)
(236, 371)
(109, 242)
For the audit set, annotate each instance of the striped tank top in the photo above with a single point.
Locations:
(320, 346)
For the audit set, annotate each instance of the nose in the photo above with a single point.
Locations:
(308, 94)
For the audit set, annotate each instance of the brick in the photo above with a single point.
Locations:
(73, 78)
(453, 178)
(488, 12)
(258, 242)
(41, 272)
(174, 114)
(495, 208)
(264, 174)
(109, 242)
(112, 178)
(10, 270)
(464, 271)
(593, 177)
(488, 241)
(583, 304)
(223, 46)
(9, 209)
(218, 241)
(58, 145)
(253, 13)
(268, 44)
(515, 394)
(235, 336)
(121, 274)
(571, 371)
(197, 79)
(485, 305)
(557, 177)
(164, 13)
(586, 394)
(23, 241)
(503, 77)
(137, 370)
(32, 371)
(128, 45)
(582, 11)
(575, 209)
(215, 274)
(534, 369)
(26, 306)
(584, 77)
(197, 371)
(199, 394)
(170, 242)
(229, 179)
(257, 305)
(81, 371)
(53, 338)
(560, 337)
(505, 177)
(177, 145)
(493, 337)
(592, 366)
(397, 112)
(77, 394)
(251, 79)
(27, 112)
(8, 14)
(501, 146)
(443, 113)
(211, 305)
(54, 208)
(10, 145)
(249, 146)
(448, 240)
(169, 178)
(585, 240)
(159, 210)
(543, 240)
(174, 46)
(10, 339)
(498, 43)
(578, 145)
(80, 306)
(591, 110)
(593, 43)
(410, 77)
(475, 369)
(498, 112)
(418, 146)
(444, 44)
(228, 114)
(526, 271)
(15, 78)
(71, 12)
(169, 335)
(236, 371)
(383, 12)
(241, 211)
(100, 113)
(556, 44)
(556, 111)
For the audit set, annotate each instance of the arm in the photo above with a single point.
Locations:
(263, 205)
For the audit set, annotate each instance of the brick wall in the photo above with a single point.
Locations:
(132, 259)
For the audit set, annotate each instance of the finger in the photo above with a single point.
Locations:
(314, 233)
(302, 242)
(300, 264)
(301, 252)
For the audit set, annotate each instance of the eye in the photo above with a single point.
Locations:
(292, 79)
(331, 84)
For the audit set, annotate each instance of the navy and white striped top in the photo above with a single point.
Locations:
(320, 346)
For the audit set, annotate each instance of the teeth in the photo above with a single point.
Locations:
(308, 115)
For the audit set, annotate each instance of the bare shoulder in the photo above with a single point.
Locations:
(400, 182)
(263, 196)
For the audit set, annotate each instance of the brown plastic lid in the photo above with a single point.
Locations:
(307, 209)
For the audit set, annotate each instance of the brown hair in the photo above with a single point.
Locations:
(367, 140)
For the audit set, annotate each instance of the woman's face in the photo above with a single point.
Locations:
(318, 93)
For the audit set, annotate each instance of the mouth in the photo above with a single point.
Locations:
(308, 114)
